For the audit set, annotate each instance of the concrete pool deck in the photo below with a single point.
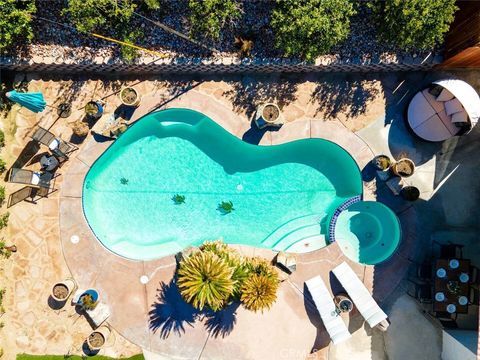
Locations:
(154, 317)
(369, 105)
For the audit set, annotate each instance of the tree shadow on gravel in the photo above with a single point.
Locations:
(171, 313)
(346, 94)
(249, 92)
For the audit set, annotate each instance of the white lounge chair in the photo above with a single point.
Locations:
(360, 296)
(333, 322)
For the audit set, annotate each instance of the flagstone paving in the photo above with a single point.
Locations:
(312, 109)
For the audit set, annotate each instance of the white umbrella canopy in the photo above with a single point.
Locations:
(466, 94)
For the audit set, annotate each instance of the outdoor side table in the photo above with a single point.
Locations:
(441, 285)
(49, 163)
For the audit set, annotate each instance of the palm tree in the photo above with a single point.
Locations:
(204, 279)
(259, 291)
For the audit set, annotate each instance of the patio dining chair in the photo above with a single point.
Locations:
(423, 273)
(450, 250)
(29, 177)
(473, 296)
(447, 320)
(473, 275)
(420, 292)
(60, 148)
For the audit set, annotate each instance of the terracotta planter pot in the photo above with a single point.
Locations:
(382, 162)
(62, 290)
(97, 339)
(94, 109)
(130, 97)
(403, 168)
(270, 113)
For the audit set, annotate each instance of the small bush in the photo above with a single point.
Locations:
(2, 195)
(259, 292)
(2, 138)
(412, 24)
(4, 220)
(3, 166)
(208, 17)
(80, 128)
(309, 28)
(205, 280)
(15, 23)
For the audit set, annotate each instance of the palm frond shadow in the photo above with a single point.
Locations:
(171, 313)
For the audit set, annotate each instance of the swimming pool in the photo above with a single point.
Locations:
(282, 195)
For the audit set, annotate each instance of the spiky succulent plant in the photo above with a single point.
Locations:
(259, 292)
(205, 280)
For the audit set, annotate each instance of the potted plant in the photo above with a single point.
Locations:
(80, 128)
(410, 193)
(62, 290)
(403, 167)
(97, 339)
(88, 300)
(130, 97)
(94, 109)
(382, 162)
(270, 113)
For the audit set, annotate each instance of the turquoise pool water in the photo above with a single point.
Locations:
(368, 232)
(282, 195)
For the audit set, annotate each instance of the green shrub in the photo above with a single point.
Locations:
(309, 28)
(15, 22)
(2, 138)
(208, 17)
(106, 16)
(205, 280)
(413, 23)
(2, 195)
(4, 220)
(216, 275)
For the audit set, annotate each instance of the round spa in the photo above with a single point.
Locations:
(368, 232)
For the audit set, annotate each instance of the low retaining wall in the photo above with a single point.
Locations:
(219, 65)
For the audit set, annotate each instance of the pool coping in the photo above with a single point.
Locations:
(92, 265)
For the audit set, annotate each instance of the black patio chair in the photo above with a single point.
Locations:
(421, 292)
(473, 275)
(450, 250)
(447, 320)
(473, 296)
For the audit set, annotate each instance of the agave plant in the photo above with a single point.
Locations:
(205, 280)
(233, 259)
(259, 292)
(178, 199)
(226, 207)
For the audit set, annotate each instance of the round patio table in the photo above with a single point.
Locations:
(49, 163)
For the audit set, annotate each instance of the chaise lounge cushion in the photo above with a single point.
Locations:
(453, 106)
(460, 117)
(436, 105)
(445, 95)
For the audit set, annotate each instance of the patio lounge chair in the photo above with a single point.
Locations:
(28, 192)
(359, 294)
(57, 146)
(28, 177)
(332, 321)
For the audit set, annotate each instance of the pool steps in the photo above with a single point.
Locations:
(303, 229)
